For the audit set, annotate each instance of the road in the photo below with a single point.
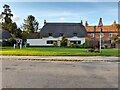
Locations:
(50, 74)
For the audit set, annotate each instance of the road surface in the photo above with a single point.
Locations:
(50, 74)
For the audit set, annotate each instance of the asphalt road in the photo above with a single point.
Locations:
(46, 74)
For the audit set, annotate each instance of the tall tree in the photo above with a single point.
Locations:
(118, 27)
(24, 35)
(30, 24)
(19, 33)
(7, 23)
(7, 14)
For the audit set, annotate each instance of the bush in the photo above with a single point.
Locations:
(72, 45)
(79, 46)
(9, 42)
(55, 44)
(64, 41)
(5, 43)
(86, 44)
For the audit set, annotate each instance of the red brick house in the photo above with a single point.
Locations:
(109, 33)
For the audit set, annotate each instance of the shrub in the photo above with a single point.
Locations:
(8, 42)
(5, 43)
(86, 44)
(72, 45)
(79, 46)
(55, 44)
(64, 41)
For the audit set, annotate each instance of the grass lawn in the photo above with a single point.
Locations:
(55, 51)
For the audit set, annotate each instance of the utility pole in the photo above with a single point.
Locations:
(100, 39)
(100, 25)
(94, 35)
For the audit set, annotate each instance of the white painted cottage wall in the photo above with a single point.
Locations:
(77, 39)
(37, 42)
(43, 41)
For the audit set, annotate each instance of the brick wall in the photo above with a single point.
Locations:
(107, 40)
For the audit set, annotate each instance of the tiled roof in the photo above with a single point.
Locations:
(110, 28)
(68, 29)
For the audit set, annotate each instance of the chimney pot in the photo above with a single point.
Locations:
(44, 22)
(86, 23)
(114, 23)
(81, 22)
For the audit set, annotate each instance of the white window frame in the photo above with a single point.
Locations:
(110, 34)
(92, 35)
(102, 34)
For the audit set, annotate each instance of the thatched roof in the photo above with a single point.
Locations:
(67, 29)
(35, 35)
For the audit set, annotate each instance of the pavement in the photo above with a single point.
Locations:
(64, 58)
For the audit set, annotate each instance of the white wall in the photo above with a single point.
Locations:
(77, 39)
(43, 41)
(37, 42)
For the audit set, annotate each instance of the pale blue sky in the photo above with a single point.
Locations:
(64, 11)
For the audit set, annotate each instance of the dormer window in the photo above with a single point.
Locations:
(75, 34)
(50, 34)
(61, 34)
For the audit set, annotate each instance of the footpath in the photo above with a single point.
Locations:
(64, 58)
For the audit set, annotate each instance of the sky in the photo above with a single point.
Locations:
(72, 12)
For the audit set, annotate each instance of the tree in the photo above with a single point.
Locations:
(30, 24)
(7, 23)
(116, 40)
(24, 35)
(19, 33)
(6, 16)
(118, 27)
(7, 13)
(36, 26)
(64, 41)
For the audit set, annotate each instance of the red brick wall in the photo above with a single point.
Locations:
(106, 38)
(97, 36)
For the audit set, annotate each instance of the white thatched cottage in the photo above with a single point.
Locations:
(53, 32)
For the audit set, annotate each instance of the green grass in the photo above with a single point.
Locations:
(55, 51)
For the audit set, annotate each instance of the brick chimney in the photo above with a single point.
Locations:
(44, 22)
(81, 22)
(114, 23)
(86, 23)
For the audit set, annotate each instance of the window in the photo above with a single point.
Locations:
(75, 34)
(102, 34)
(110, 34)
(76, 42)
(50, 34)
(102, 41)
(79, 42)
(92, 35)
(61, 34)
(73, 42)
(110, 41)
(49, 42)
